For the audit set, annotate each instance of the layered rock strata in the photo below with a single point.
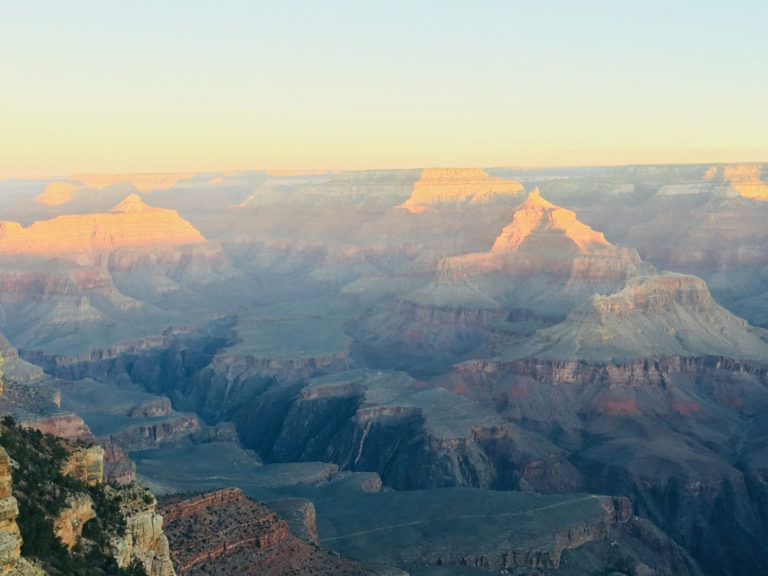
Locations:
(224, 533)
(457, 186)
(544, 237)
(130, 223)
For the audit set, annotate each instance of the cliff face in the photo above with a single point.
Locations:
(85, 465)
(144, 538)
(744, 178)
(58, 484)
(130, 223)
(68, 524)
(224, 532)
(457, 186)
(544, 237)
(690, 412)
(10, 539)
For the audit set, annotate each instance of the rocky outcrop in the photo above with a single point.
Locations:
(85, 465)
(64, 425)
(68, 524)
(148, 434)
(457, 186)
(544, 237)
(130, 223)
(118, 468)
(226, 533)
(10, 539)
(144, 538)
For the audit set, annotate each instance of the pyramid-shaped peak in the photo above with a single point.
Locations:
(539, 215)
(535, 200)
(132, 204)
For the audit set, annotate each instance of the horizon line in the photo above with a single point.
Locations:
(309, 171)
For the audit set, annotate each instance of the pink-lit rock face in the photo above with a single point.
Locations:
(536, 213)
(457, 185)
(57, 193)
(744, 178)
(545, 237)
(130, 223)
(142, 182)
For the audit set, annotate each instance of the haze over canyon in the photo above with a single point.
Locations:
(436, 371)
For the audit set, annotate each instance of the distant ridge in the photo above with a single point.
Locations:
(130, 223)
(457, 186)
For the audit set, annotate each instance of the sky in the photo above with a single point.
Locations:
(116, 86)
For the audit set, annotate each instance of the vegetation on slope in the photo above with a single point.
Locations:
(42, 491)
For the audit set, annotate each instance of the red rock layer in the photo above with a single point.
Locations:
(225, 533)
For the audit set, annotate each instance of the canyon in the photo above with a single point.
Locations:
(390, 358)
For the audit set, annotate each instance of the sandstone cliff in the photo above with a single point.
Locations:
(10, 539)
(746, 179)
(144, 538)
(58, 486)
(130, 223)
(457, 186)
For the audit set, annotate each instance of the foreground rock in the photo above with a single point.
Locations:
(223, 532)
(68, 517)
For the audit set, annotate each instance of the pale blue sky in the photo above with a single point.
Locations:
(153, 86)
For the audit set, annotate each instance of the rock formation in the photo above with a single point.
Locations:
(457, 186)
(746, 179)
(10, 539)
(664, 314)
(224, 532)
(130, 223)
(85, 465)
(61, 481)
(68, 524)
(144, 538)
(543, 237)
